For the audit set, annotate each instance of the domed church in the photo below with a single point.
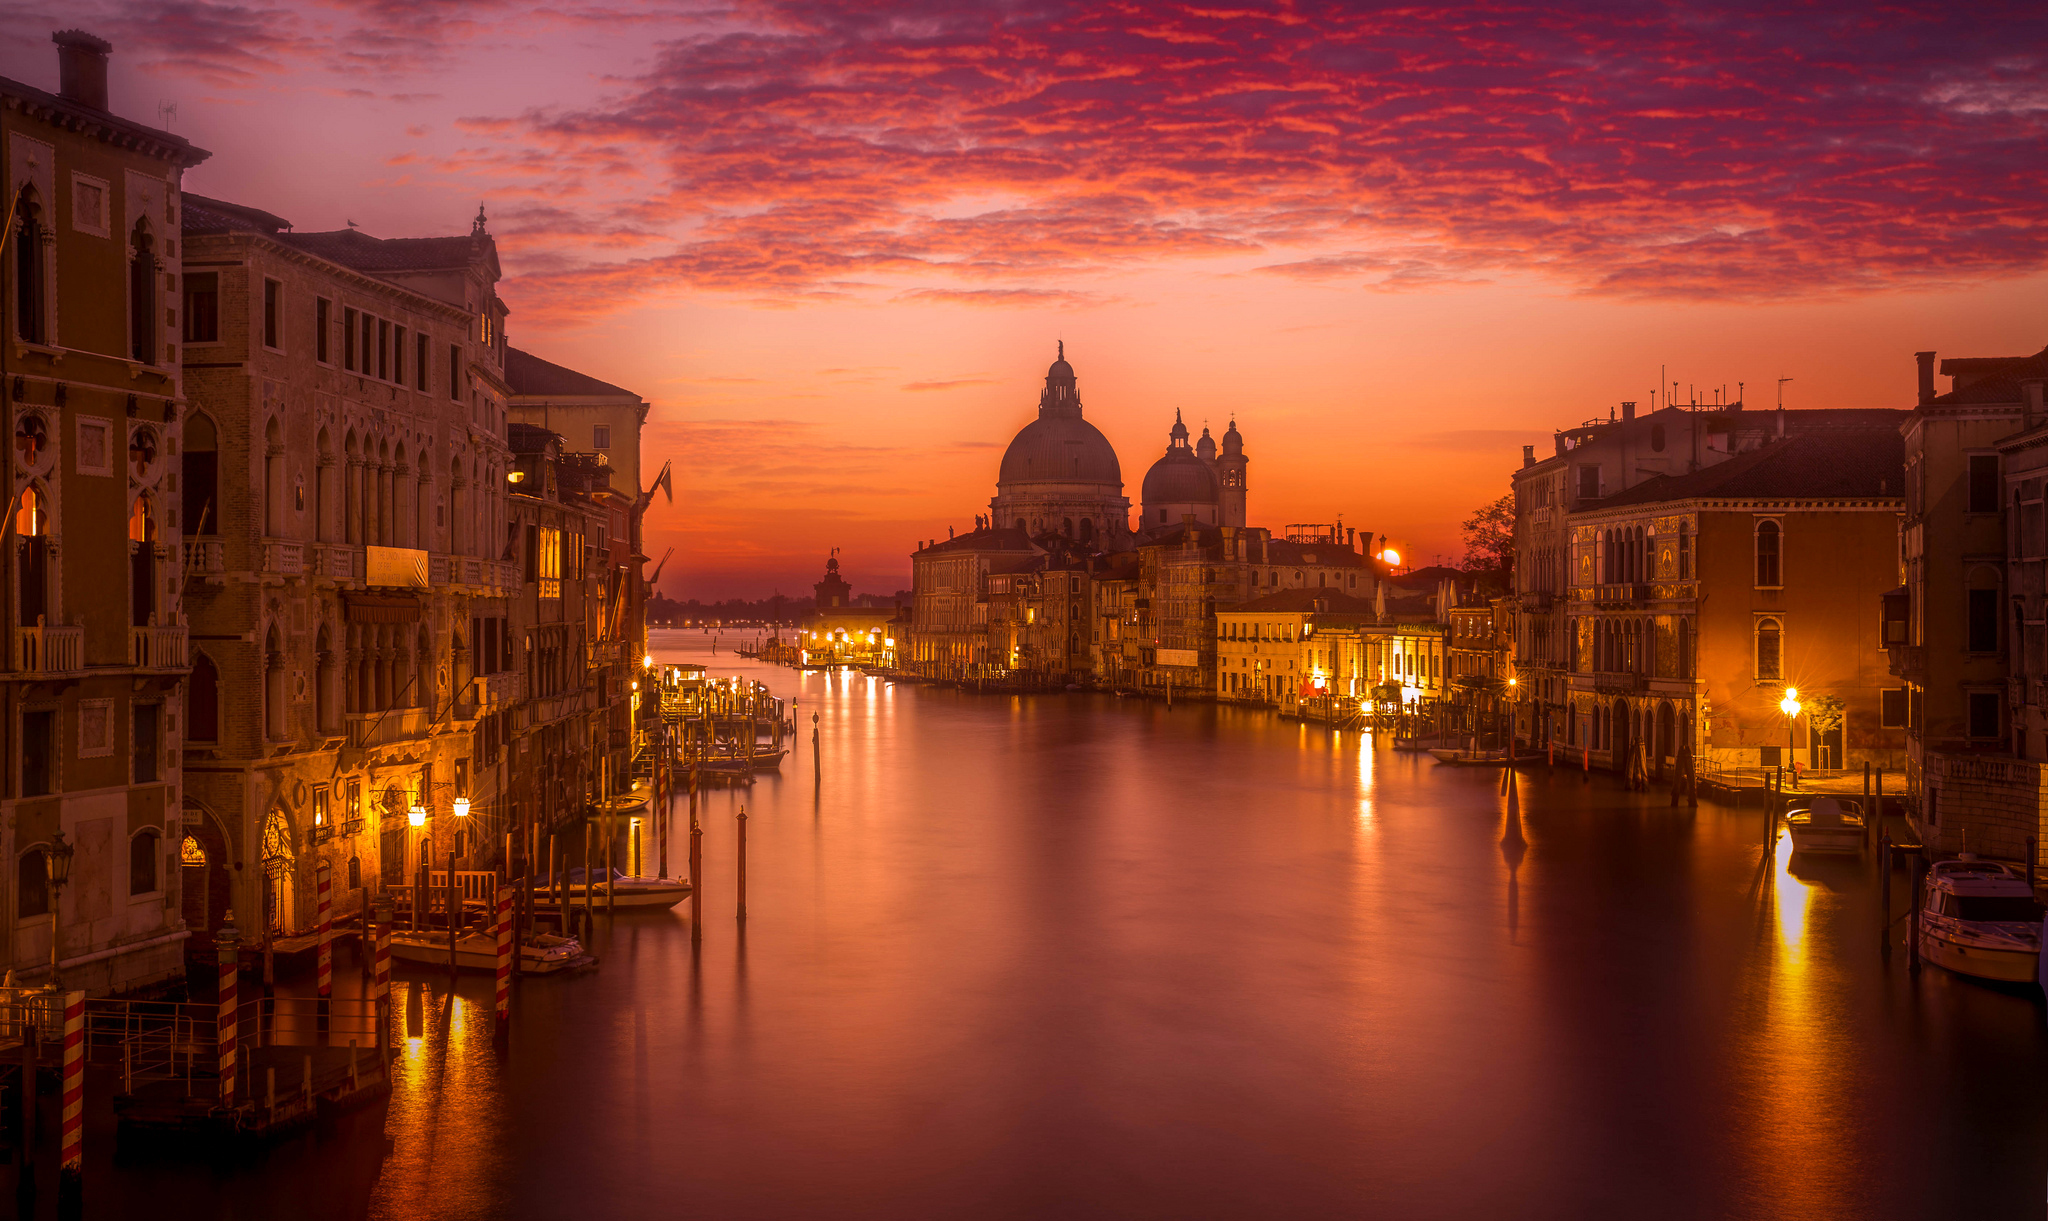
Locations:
(1061, 476)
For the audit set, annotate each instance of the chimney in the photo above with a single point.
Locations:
(1560, 445)
(1528, 455)
(1628, 411)
(82, 67)
(1926, 361)
(1351, 538)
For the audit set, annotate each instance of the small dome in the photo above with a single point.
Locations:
(1205, 449)
(1180, 478)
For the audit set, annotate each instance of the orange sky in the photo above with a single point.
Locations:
(834, 243)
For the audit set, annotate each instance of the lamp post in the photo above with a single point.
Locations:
(1790, 707)
(58, 860)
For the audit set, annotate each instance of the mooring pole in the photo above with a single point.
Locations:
(323, 970)
(454, 911)
(71, 1165)
(504, 958)
(743, 863)
(1919, 879)
(1884, 892)
(227, 947)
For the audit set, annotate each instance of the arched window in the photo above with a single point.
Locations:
(1769, 540)
(324, 663)
(201, 478)
(142, 560)
(1685, 648)
(273, 480)
(1684, 551)
(31, 286)
(142, 862)
(1770, 651)
(352, 489)
(202, 700)
(1087, 529)
(273, 687)
(32, 523)
(142, 296)
(32, 884)
(323, 489)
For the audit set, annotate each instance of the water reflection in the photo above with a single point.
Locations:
(1071, 955)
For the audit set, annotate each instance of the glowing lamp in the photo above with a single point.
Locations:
(515, 477)
(417, 815)
(647, 662)
(890, 642)
(1790, 704)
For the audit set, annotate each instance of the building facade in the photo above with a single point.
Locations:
(90, 370)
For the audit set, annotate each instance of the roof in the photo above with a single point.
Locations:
(1850, 464)
(203, 214)
(77, 116)
(356, 249)
(1005, 538)
(1291, 600)
(529, 375)
(1990, 379)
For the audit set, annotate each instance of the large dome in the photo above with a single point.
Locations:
(1180, 478)
(1060, 449)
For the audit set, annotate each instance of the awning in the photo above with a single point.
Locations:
(381, 608)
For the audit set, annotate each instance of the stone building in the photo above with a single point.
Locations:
(349, 579)
(1060, 474)
(1965, 626)
(96, 655)
(1696, 600)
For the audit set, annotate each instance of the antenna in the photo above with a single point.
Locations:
(165, 112)
(1781, 392)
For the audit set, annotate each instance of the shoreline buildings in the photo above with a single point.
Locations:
(370, 606)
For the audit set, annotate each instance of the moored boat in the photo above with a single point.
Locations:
(1830, 824)
(621, 890)
(477, 950)
(1460, 757)
(1980, 918)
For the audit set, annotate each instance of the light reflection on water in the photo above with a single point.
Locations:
(1073, 955)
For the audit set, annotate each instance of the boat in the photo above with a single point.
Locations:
(477, 950)
(1417, 743)
(1980, 918)
(1831, 824)
(759, 761)
(1460, 757)
(621, 890)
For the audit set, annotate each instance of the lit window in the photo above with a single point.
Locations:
(550, 562)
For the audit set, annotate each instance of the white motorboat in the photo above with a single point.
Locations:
(1830, 824)
(1459, 757)
(620, 890)
(1980, 918)
(477, 950)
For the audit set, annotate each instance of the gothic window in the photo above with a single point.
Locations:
(1770, 651)
(31, 316)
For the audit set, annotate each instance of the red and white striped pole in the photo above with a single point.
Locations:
(227, 942)
(323, 874)
(504, 953)
(72, 1166)
(381, 981)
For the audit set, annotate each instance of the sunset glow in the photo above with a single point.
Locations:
(834, 243)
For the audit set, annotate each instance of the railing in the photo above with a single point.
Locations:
(282, 558)
(50, 650)
(157, 648)
(205, 557)
(367, 729)
(1907, 660)
(476, 885)
(1619, 682)
(339, 561)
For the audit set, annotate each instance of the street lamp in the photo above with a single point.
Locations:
(1790, 707)
(417, 816)
(462, 807)
(58, 860)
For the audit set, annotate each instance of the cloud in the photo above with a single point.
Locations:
(952, 384)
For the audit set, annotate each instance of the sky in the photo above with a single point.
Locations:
(834, 244)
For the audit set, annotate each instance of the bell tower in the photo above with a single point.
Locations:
(1230, 466)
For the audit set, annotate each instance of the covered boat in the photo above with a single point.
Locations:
(1980, 918)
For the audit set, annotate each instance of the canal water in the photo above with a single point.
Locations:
(1087, 957)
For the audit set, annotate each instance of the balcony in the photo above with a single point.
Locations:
(1908, 661)
(156, 648)
(205, 558)
(48, 651)
(282, 558)
(1620, 682)
(489, 693)
(1624, 594)
(338, 561)
(367, 729)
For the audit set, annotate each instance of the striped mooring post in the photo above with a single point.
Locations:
(227, 943)
(380, 980)
(324, 974)
(72, 1165)
(504, 953)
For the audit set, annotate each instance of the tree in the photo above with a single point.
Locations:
(1490, 537)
